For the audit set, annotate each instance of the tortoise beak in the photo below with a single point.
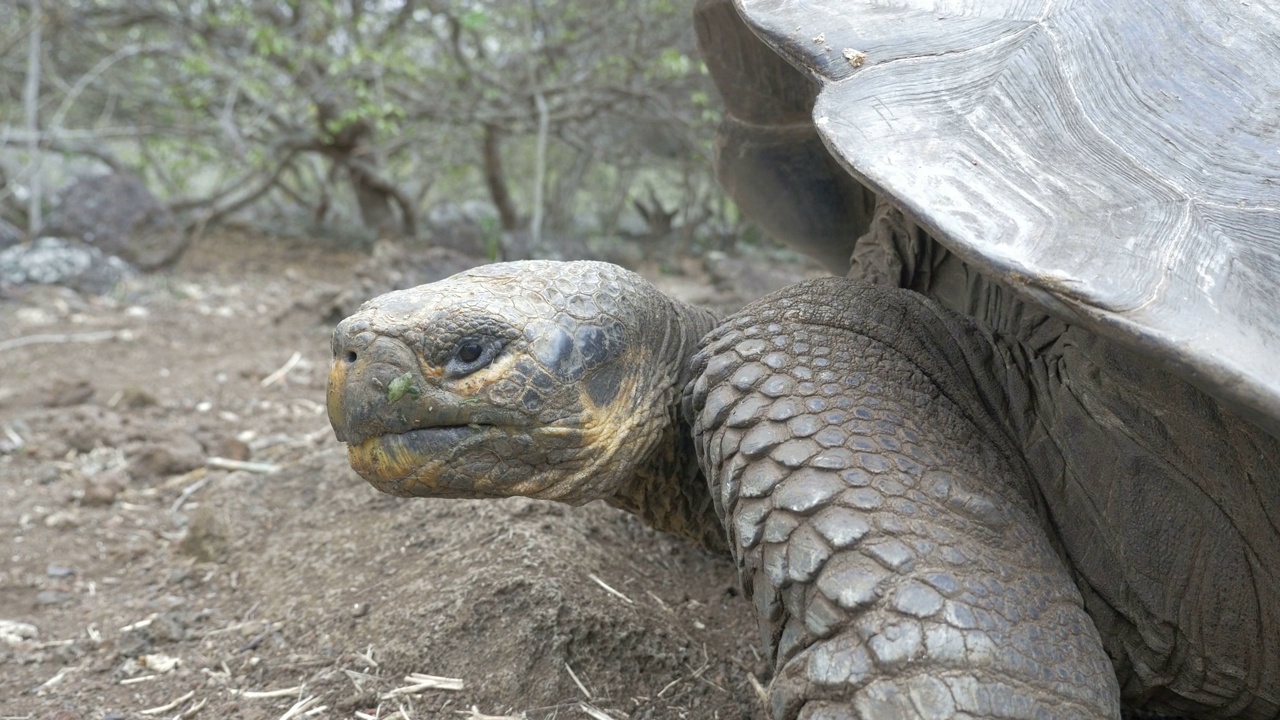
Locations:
(377, 387)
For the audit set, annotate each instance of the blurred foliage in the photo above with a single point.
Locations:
(370, 111)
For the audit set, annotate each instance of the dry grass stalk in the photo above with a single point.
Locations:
(577, 682)
(422, 683)
(253, 467)
(259, 694)
(300, 707)
(50, 339)
(278, 375)
(139, 624)
(57, 678)
(608, 589)
(595, 712)
(170, 706)
(761, 694)
(475, 714)
(191, 711)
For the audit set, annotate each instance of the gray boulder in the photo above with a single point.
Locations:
(59, 261)
(10, 235)
(118, 214)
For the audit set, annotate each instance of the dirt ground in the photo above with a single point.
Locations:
(146, 578)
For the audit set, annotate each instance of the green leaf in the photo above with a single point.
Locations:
(401, 386)
(475, 20)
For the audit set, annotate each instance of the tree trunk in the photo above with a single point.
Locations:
(376, 211)
(496, 180)
(32, 100)
(539, 171)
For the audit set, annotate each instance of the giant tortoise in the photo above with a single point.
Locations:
(1023, 461)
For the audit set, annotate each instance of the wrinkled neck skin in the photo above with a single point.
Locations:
(668, 490)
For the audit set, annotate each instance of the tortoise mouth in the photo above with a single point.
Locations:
(422, 461)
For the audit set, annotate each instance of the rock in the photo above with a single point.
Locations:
(118, 214)
(230, 448)
(133, 398)
(65, 393)
(206, 538)
(396, 266)
(59, 261)
(54, 597)
(90, 426)
(102, 490)
(467, 227)
(392, 266)
(10, 235)
(173, 456)
(13, 632)
(62, 520)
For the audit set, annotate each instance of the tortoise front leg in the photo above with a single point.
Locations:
(883, 526)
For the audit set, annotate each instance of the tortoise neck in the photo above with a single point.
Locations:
(668, 490)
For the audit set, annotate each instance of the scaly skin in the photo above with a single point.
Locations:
(883, 519)
(573, 393)
(884, 524)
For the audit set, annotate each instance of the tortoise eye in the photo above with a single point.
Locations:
(470, 354)
(470, 351)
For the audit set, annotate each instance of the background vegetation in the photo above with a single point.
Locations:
(553, 117)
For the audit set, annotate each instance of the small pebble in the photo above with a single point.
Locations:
(62, 520)
(54, 597)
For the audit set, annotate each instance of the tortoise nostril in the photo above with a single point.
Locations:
(351, 356)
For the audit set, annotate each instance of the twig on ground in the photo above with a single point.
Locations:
(57, 678)
(761, 694)
(56, 339)
(300, 707)
(577, 682)
(15, 440)
(191, 711)
(260, 694)
(595, 712)
(608, 589)
(254, 467)
(421, 683)
(443, 683)
(187, 492)
(257, 640)
(475, 714)
(230, 628)
(366, 657)
(669, 685)
(139, 624)
(171, 706)
(139, 679)
(278, 375)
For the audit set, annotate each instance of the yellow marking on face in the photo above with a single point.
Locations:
(333, 393)
(389, 466)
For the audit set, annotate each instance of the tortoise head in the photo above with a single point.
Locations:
(534, 378)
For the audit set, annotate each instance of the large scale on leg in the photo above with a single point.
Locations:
(887, 532)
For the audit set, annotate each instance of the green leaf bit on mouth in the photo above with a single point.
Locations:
(400, 386)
